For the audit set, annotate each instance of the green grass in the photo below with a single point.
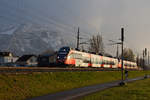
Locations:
(23, 86)
(138, 90)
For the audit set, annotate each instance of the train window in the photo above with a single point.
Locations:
(61, 56)
(103, 62)
(100, 61)
(72, 55)
(92, 60)
(79, 56)
(97, 61)
(112, 63)
(133, 66)
(76, 56)
(86, 60)
(64, 49)
(107, 62)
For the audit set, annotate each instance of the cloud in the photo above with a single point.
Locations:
(104, 16)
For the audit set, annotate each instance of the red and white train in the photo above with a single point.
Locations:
(76, 58)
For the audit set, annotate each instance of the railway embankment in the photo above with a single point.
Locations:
(23, 86)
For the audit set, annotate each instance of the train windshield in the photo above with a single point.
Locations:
(63, 52)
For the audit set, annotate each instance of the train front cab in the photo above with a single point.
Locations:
(74, 58)
(62, 55)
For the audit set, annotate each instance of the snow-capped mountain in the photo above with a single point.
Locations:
(33, 39)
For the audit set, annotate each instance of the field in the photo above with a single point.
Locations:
(23, 86)
(138, 90)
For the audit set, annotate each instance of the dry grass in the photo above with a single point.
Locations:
(138, 90)
(23, 86)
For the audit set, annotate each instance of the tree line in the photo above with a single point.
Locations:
(96, 45)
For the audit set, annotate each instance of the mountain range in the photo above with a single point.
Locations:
(33, 39)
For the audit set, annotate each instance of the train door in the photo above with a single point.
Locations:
(114, 63)
(78, 58)
(78, 63)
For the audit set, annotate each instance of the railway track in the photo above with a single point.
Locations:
(49, 69)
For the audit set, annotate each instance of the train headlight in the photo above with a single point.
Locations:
(68, 57)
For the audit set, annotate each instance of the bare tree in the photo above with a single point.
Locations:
(128, 55)
(138, 60)
(96, 44)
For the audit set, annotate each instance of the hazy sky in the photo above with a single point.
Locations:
(92, 16)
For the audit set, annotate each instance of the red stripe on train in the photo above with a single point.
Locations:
(70, 61)
(89, 65)
(102, 65)
(110, 66)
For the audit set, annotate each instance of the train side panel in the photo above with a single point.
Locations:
(76, 58)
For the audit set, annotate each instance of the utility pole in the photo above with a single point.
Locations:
(122, 40)
(148, 58)
(78, 38)
(117, 53)
(143, 59)
(146, 55)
